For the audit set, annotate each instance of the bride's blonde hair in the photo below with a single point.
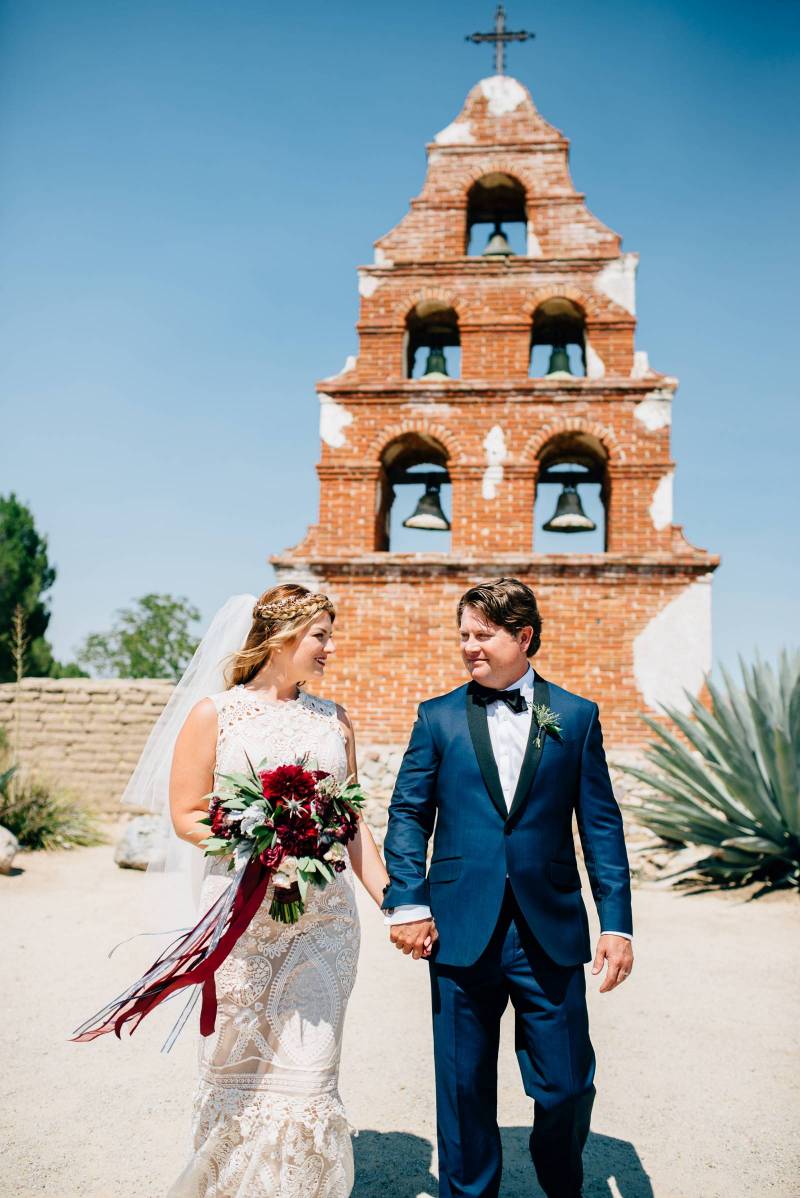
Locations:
(279, 616)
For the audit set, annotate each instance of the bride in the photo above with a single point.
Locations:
(267, 1120)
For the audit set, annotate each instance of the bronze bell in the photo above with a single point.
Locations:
(436, 364)
(497, 246)
(559, 361)
(569, 515)
(428, 513)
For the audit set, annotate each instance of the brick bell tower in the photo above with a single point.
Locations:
(497, 374)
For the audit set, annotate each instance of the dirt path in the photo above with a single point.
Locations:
(697, 1078)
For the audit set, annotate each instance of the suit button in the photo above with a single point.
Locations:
(508, 830)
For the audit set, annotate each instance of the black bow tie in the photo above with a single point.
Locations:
(515, 700)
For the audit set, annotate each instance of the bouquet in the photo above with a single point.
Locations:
(289, 824)
(295, 820)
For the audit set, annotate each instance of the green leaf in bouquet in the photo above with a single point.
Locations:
(245, 782)
(253, 777)
(302, 884)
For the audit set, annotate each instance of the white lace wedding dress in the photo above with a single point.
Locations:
(268, 1121)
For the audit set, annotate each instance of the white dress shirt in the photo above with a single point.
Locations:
(508, 732)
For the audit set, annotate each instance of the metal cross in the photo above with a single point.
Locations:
(500, 37)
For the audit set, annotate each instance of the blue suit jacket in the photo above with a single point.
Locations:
(448, 786)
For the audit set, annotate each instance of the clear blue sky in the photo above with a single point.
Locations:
(188, 187)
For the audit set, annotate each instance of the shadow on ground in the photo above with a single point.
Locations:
(393, 1164)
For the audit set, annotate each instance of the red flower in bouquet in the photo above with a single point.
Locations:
(346, 828)
(299, 835)
(272, 858)
(219, 819)
(288, 783)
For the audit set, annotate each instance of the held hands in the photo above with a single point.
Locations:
(618, 952)
(415, 939)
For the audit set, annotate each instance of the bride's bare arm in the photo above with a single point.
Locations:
(192, 775)
(365, 859)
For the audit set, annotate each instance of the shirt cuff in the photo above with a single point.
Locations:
(624, 935)
(407, 913)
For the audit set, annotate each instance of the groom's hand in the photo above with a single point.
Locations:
(415, 939)
(618, 952)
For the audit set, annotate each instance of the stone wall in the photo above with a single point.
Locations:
(84, 733)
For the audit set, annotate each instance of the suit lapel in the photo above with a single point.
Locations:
(481, 743)
(533, 755)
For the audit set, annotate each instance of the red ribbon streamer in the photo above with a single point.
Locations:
(190, 963)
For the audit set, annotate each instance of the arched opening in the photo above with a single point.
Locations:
(572, 496)
(497, 221)
(413, 471)
(558, 340)
(433, 344)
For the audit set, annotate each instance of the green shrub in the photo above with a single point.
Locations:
(735, 789)
(44, 817)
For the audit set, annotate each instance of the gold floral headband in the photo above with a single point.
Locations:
(294, 606)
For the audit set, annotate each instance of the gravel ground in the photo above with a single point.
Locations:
(697, 1074)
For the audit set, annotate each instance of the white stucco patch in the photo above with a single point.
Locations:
(459, 133)
(661, 503)
(617, 280)
(333, 420)
(673, 653)
(381, 258)
(655, 411)
(641, 364)
(534, 245)
(494, 443)
(503, 93)
(577, 233)
(367, 284)
(595, 366)
(349, 365)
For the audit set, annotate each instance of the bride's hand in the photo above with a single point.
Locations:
(429, 942)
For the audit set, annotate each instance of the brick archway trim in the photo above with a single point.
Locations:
(593, 306)
(572, 424)
(448, 440)
(407, 300)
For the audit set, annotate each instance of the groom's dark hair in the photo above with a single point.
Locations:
(509, 604)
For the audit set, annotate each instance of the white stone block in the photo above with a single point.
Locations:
(9, 847)
(143, 842)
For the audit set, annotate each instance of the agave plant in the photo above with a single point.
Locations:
(735, 787)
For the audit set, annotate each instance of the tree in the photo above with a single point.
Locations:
(151, 639)
(25, 576)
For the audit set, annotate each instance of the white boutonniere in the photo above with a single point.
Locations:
(546, 721)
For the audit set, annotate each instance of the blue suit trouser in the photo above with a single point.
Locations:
(553, 1049)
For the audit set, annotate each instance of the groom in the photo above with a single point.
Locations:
(494, 771)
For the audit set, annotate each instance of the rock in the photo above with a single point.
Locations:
(9, 847)
(142, 843)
